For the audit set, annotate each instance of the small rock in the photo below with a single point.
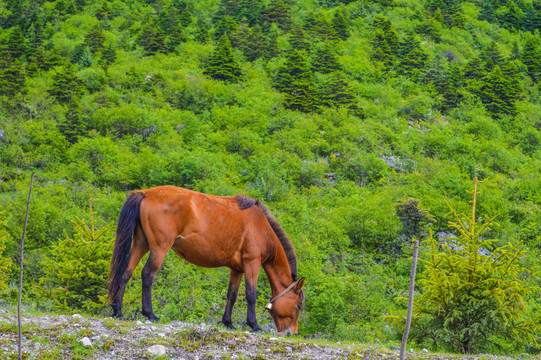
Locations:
(76, 316)
(156, 350)
(425, 351)
(148, 322)
(273, 339)
(267, 350)
(411, 351)
(396, 348)
(85, 341)
(161, 334)
(289, 349)
(138, 322)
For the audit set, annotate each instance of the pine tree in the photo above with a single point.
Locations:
(254, 47)
(277, 12)
(382, 51)
(227, 25)
(76, 267)
(104, 11)
(66, 85)
(474, 73)
(222, 65)
(531, 57)
(95, 40)
(298, 40)
(510, 16)
(412, 57)
(109, 54)
(16, 48)
(383, 25)
(201, 33)
(325, 60)
(72, 126)
(250, 10)
(474, 291)
(336, 92)
(454, 82)
(340, 25)
(86, 58)
(497, 94)
(294, 79)
(12, 79)
(152, 40)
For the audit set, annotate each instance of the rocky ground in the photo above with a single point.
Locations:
(77, 337)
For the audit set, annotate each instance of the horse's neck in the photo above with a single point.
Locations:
(278, 272)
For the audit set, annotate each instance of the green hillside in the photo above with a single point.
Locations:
(359, 123)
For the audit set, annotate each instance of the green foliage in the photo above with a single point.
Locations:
(331, 111)
(474, 292)
(5, 262)
(76, 269)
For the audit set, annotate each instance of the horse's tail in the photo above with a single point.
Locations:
(127, 222)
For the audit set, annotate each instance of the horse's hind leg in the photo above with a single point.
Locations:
(139, 249)
(148, 274)
(234, 281)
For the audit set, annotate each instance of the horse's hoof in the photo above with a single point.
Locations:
(228, 325)
(257, 329)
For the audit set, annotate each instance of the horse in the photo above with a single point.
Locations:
(209, 231)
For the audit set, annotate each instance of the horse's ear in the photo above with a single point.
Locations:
(300, 284)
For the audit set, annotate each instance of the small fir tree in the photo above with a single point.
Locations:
(326, 60)
(294, 79)
(340, 25)
(95, 40)
(16, 47)
(12, 79)
(152, 39)
(336, 92)
(298, 40)
(474, 292)
(497, 94)
(412, 57)
(277, 12)
(85, 60)
(222, 65)
(66, 85)
(72, 126)
(76, 270)
(531, 57)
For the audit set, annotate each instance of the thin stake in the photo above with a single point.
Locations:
(410, 302)
(19, 342)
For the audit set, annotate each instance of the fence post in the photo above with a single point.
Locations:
(19, 341)
(410, 301)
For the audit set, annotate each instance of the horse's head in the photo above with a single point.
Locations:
(285, 308)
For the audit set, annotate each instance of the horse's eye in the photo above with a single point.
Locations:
(299, 307)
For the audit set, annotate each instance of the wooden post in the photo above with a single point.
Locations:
(19, 342)
(410, 302)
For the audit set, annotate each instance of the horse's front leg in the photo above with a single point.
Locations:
(251, 274)
(234, 282)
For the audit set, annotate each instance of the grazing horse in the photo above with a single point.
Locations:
(209, 231)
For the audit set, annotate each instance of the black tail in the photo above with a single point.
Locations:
(127, 222)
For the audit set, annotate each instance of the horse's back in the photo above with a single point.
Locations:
(207, 230)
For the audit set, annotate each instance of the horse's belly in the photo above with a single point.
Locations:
(202, 252)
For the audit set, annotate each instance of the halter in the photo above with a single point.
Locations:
(271, 301)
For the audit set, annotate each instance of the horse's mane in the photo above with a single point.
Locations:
(245, 203)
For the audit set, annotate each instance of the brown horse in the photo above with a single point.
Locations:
(209, 231)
